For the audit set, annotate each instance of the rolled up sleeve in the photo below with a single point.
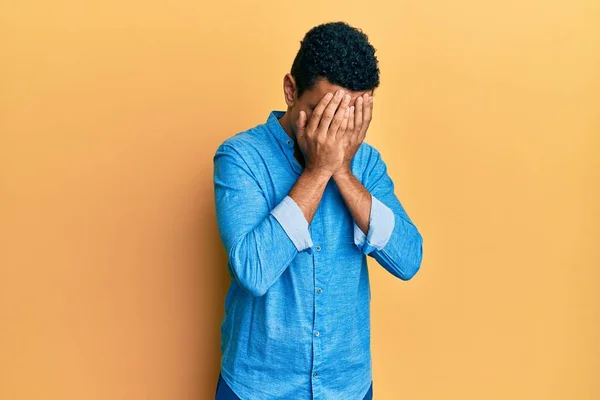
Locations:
(381, 226)
(392, 238)
(260, 241)
(294, 223)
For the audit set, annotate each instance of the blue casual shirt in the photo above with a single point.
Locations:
(297, 312)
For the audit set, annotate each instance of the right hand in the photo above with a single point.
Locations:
(320, 140)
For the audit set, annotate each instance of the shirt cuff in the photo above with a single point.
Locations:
(381, 226)
(292, 220)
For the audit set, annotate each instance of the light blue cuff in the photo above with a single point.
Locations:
(381, 226)
(294, 223)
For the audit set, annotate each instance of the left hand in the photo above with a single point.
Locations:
(358, 123)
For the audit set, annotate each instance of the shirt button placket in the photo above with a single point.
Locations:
(317, 322)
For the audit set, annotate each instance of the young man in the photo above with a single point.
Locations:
(301, 201)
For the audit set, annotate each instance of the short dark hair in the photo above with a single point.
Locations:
(338, 52)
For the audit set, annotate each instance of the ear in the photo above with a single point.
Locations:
(289, 89)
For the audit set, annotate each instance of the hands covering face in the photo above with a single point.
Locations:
(332, 136)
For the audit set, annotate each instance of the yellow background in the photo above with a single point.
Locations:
(113, 276)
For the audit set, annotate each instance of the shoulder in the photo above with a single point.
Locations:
(367, 153)
(244, 144)
(366, 159)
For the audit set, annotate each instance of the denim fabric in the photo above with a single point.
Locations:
(297, 312)
(224, 392)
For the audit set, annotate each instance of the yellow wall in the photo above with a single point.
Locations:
(112, 275)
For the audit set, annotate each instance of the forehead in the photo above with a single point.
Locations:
(322, 87)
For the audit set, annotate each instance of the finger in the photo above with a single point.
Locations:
(336, 123)
(342, 131)
(301, 124)
(329, 112)
(358, 115)
(367, 114)
(350, 127)
(317, 113)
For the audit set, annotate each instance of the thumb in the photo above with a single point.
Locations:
(301, 124)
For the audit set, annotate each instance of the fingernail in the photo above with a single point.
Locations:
(347, 98)
(340, 93)
(329, 96)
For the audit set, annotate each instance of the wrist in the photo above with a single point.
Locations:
(317, 174)
(343, 172)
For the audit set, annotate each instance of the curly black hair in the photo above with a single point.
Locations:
(338, 52)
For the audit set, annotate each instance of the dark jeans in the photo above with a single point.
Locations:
(224, 392)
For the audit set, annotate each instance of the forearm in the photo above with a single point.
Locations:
(357, 198)
(390, 235)
(260, 239)
(308, 191)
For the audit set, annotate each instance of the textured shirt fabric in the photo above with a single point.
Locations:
(224, 392)
(297, 312)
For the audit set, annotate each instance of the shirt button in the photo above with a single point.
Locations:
(317, 333)
(289, 142)
(316, 374)
(318, 248)
(319, 290)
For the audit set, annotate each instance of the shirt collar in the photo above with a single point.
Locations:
(277, 130)
(284, 140)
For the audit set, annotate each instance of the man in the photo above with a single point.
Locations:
(301, 200)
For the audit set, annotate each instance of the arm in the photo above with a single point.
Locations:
(261, 242)
(391, 237)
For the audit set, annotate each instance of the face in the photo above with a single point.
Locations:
(311, 98)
